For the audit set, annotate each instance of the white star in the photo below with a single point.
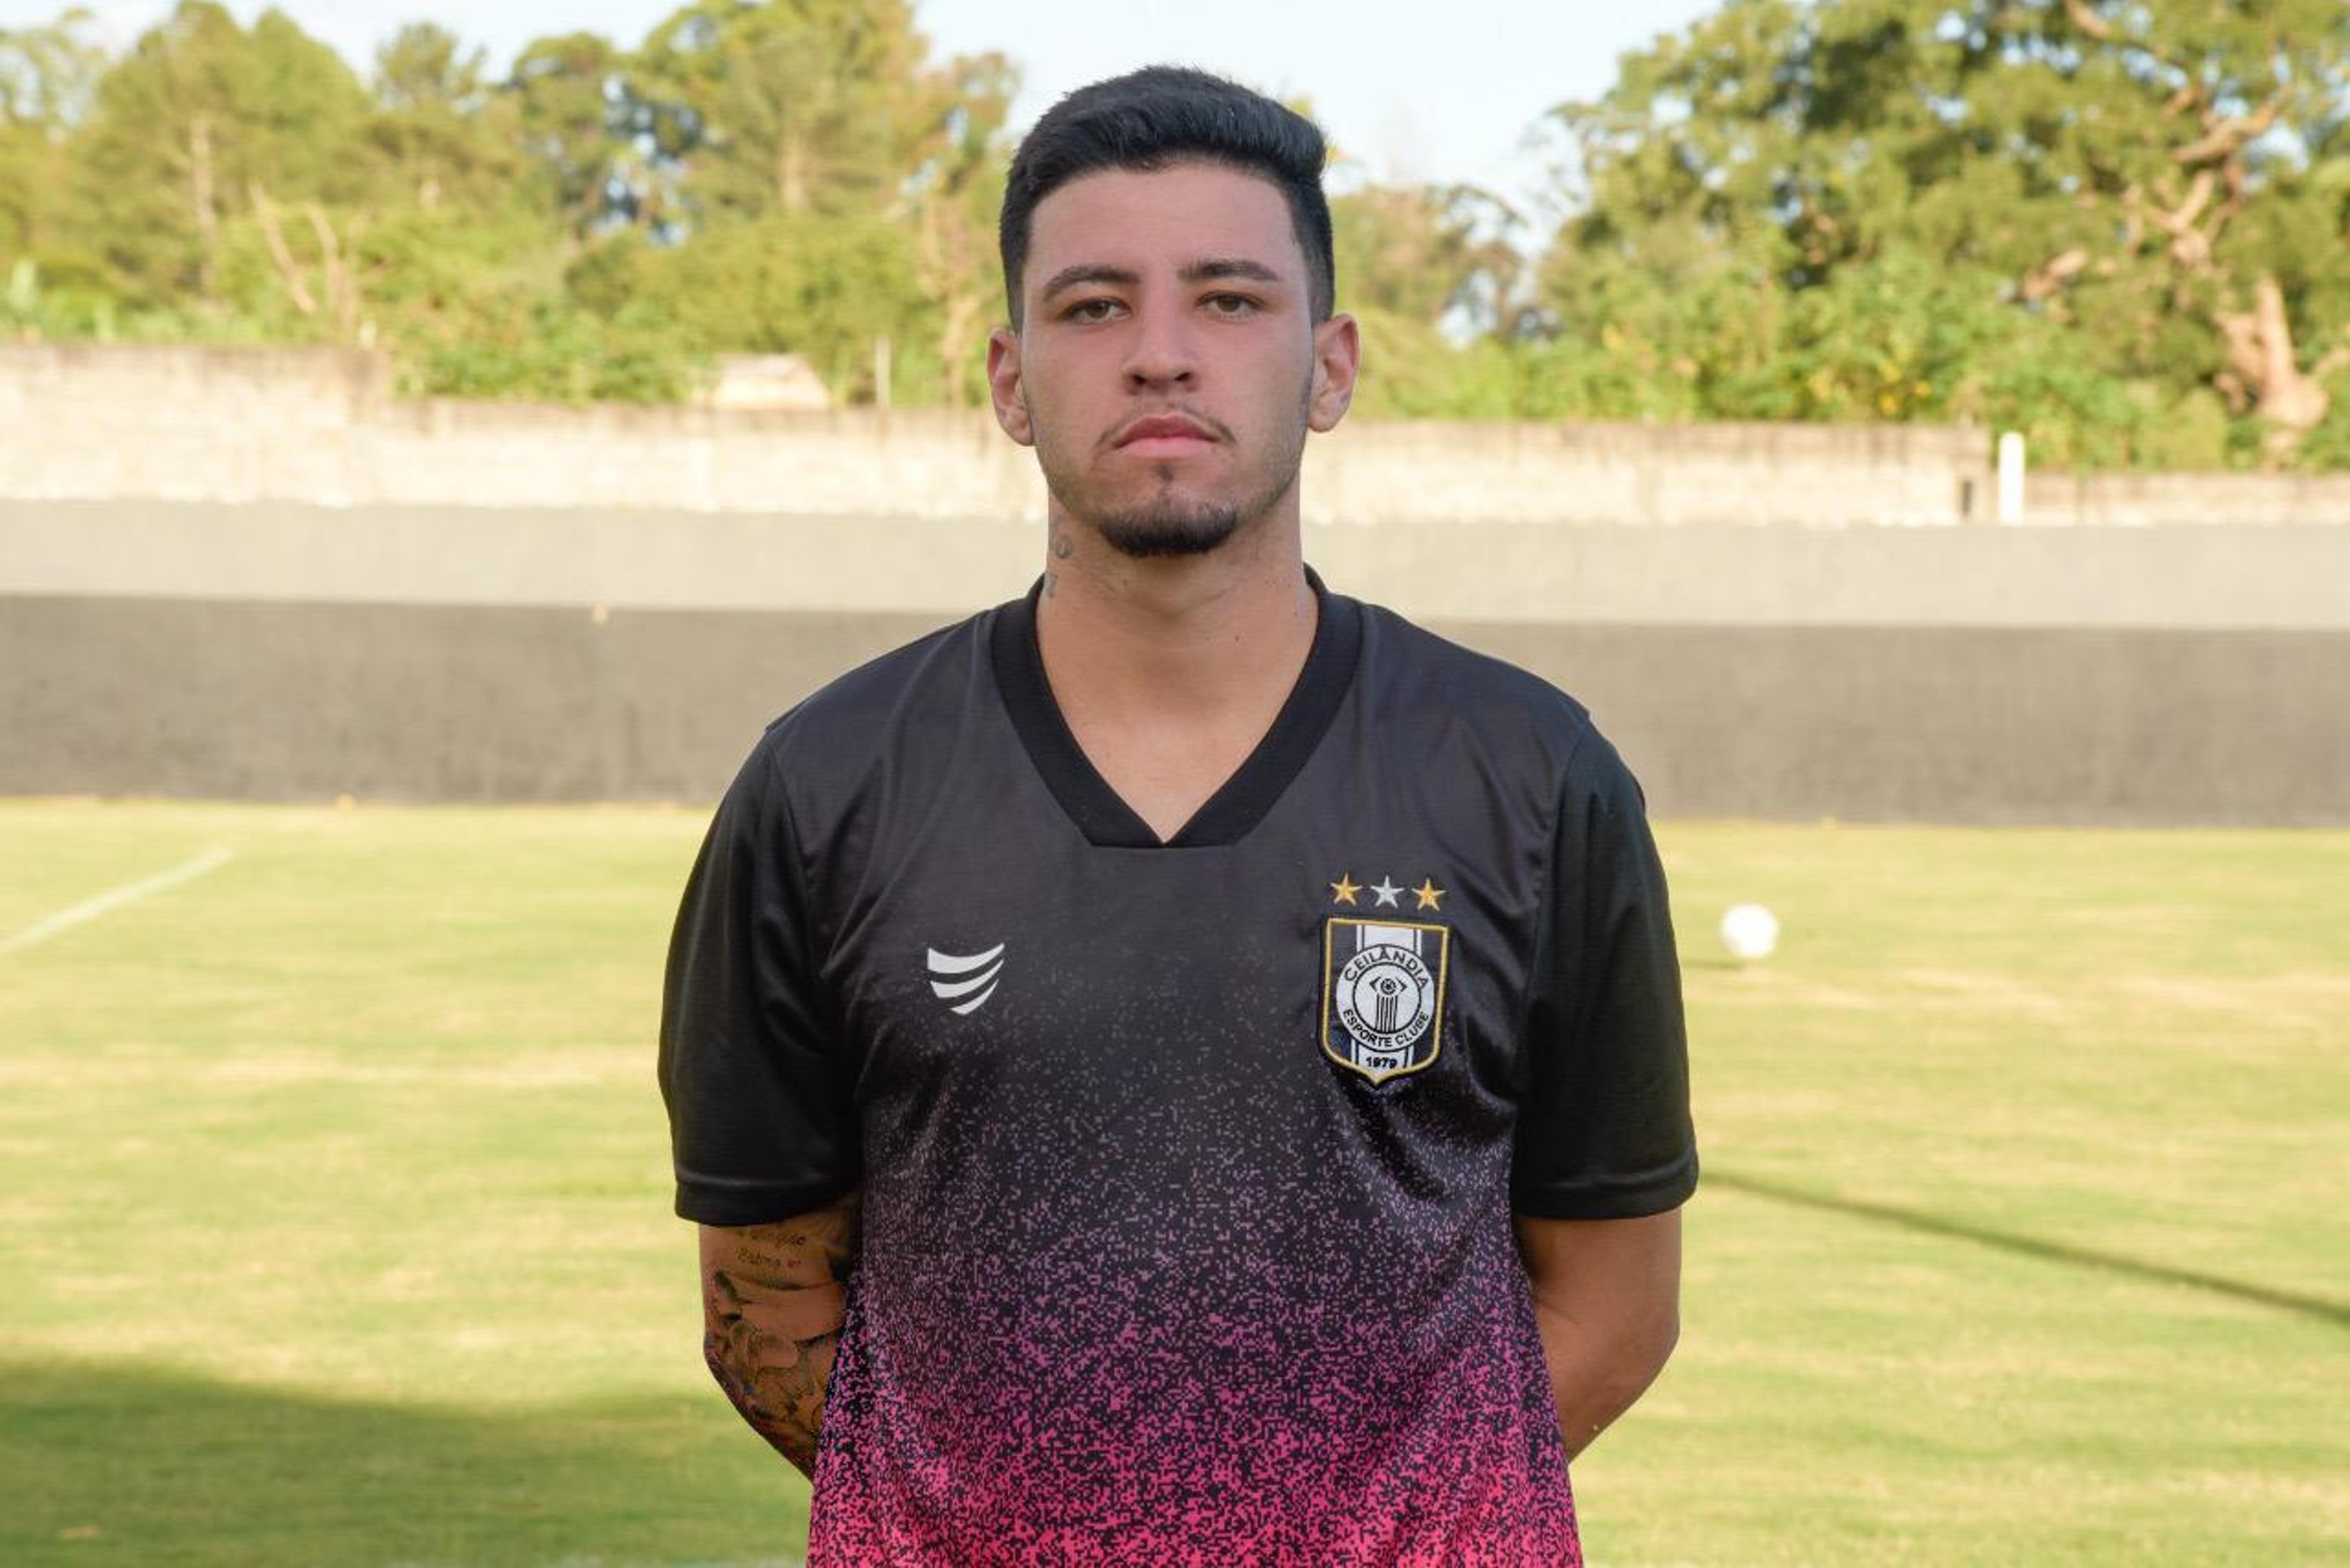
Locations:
(1387, 892)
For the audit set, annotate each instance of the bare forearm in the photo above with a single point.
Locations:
(773, 1303)
(1598, 1370)
(1606, 1300)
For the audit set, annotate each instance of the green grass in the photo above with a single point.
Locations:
(333, 1203)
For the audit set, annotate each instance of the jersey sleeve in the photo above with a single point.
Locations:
(1604, 1128)
(762, 1125)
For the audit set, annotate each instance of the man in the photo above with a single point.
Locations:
(1185, 1066)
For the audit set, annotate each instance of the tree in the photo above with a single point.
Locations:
(1438, 255)
(808, 120)
(189, 125)
(950, 204)
(439, 134)
(426, 65)
(48, 73)
(1428, 273)
(571, 122)
(823, 288)
(2089, 206)
(788, 106)
(46, 76)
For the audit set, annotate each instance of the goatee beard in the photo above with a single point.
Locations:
(1169, 528)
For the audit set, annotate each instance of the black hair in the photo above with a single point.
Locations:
(1161, 115)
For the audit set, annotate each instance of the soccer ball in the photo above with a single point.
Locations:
(1750, 931)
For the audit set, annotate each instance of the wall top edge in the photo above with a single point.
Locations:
(1317, 521)
(943, 609)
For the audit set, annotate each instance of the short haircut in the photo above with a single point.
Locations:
(1162, 115)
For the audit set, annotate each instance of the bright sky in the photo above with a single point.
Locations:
(1421, 91)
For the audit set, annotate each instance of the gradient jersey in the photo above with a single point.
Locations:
(1189, 1167)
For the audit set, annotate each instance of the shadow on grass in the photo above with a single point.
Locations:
(2322, 1309)
(113, 1463)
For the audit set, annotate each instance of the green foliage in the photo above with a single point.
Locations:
(182, 133)
(825, 289)
(2052, 214)
(46, 76)
(2044, 216)
(425, 64)
(594, 226)
(437, 135)
(186, 127)
(1434, 254)
(2116, 227)
(792, 105)
(528, 347)
(1411, 371)
(29, 169)
(48, 73)
(568, 131)
(2328, 446)
(812, 128)
(1426, 271)
(950, 206)
(475, 306)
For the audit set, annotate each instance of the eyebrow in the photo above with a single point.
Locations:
(1229, 266)
(1087, 271)
(1205, 271)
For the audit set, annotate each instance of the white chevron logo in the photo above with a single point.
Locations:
(965, 982)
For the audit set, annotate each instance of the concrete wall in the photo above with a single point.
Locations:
(103, 422)
(2188, 499)
(90, 422)
(291, 701)
(2209, 577)
(1995, 675)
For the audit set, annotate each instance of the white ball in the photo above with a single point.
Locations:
(1750, 931)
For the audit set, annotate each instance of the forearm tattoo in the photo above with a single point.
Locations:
(773, 1301)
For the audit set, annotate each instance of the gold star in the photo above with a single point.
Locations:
(1427, 893)
(1345, 888)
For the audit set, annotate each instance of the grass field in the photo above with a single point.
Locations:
(334, 1230)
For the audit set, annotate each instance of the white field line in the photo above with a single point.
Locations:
(90, 908)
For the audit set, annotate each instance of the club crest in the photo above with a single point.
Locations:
(1383, 994)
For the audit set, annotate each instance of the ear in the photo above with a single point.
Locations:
(1337, 358)
(1003, 385)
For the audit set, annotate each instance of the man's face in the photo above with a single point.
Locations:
(1168, 367)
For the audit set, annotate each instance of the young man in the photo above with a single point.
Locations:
(1185, 1066)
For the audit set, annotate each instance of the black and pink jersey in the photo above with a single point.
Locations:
(1189, 1167)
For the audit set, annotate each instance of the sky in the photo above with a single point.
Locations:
(1407, 91)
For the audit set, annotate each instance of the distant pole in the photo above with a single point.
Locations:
(2011, 476)
(881, 373)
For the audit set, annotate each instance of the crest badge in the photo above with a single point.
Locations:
(1383, 994)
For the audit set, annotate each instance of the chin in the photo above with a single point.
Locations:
(1147, 533)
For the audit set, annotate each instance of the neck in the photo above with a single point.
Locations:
(1179, 635)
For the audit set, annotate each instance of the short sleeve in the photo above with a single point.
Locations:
(1604, 1128)
(762, 1121)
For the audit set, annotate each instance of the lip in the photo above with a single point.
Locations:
(1164, 433)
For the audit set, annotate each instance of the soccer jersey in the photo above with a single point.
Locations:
(1188, 1167)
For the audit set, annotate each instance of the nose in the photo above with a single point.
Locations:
(1159, 352)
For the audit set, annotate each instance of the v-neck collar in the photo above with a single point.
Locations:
(1242, 801)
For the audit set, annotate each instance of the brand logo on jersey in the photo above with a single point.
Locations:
(1383, 994)
(965, 980)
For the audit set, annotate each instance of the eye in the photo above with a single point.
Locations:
(1234, 306)
(1091, 310)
